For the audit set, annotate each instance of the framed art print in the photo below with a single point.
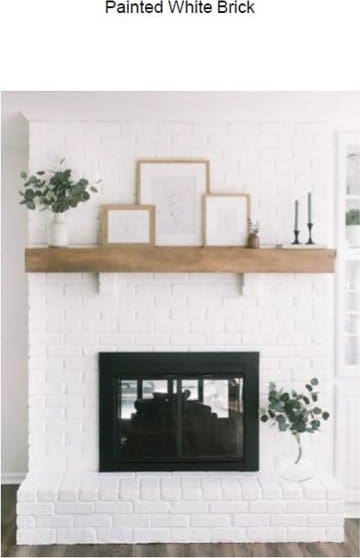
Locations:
(226, 219)
(127, 224)
(175, 188)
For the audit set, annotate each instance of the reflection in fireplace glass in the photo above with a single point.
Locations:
(216, 395)
(179, 418)
(126, 405)
(192, 386)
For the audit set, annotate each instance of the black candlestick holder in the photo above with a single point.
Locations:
(310, 241)
(296, 240)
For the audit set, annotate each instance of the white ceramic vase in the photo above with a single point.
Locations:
(58, 233)
(353, 235)
(296, 464)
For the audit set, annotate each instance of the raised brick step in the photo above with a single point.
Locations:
(177, 507)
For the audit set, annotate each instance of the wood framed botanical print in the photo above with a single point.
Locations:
(176, 188)
(127, 225)
(226, 219)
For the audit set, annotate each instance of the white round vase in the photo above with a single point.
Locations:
(58, 233)
(296, 464)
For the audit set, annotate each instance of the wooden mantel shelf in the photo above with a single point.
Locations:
(178, 259)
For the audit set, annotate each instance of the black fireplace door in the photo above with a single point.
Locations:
(178, 411)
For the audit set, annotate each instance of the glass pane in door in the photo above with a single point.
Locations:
(353, 276)
(352, 313)
(212, 425)
(147, 420)
(353, 171)
(352, 198)
(352, 350)
(352, 324)
(352, 301)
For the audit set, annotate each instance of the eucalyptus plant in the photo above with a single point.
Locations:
(294, 412)
(54, 190)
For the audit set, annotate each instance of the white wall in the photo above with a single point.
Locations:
(14, 314)
(332, 110)
(339, 109)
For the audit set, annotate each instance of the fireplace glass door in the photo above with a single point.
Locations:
(179, 418)
(173, 419)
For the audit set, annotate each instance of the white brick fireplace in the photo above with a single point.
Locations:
(72, 317)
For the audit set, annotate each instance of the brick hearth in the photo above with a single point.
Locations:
(177, 507)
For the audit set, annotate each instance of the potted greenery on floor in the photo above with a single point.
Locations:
(299, 415)
(57, 192)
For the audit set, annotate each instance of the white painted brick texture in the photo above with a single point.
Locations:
(146, 313)
(115, 514)
(284, 316)
(275, 162)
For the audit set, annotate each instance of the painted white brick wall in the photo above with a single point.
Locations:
(67, 331)
(275, 162)
(287, 317)
(113, 514)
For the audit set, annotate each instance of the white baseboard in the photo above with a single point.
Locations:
(12, 478)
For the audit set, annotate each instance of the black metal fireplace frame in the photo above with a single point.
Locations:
(113, 366)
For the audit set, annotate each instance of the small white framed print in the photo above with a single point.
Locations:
(175, 187)
(127, 225)
(226, 218)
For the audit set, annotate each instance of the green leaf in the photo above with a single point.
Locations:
(264, 418)
(285, 397)
(40, 173)
(62, 160)
(295, 403)
(309, 387)
(29, 194)
(300, 426)
(314, 381)
(317, 411)
(306, 399)
(93, 189)
(325, 415)
(30, 205)
(314, 397)
(23, 175)
(278, 406)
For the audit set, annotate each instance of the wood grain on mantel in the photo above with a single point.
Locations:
(179, 259)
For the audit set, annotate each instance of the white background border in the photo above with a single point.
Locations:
(291, 45)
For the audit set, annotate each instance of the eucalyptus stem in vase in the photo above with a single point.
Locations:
(57, 192)
(299, 414)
